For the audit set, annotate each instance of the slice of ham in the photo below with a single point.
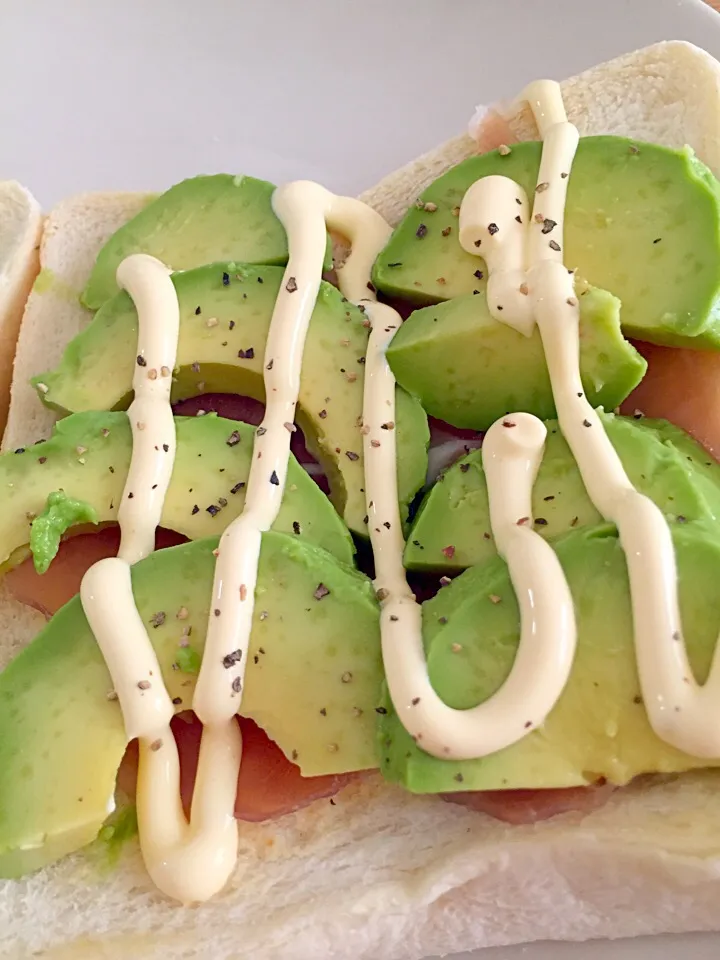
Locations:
(682, 386)
(531, 806)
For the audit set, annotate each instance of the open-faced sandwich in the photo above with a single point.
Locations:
(361, 557)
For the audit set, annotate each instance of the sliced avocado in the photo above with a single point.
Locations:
(88, 457)
(313, 682)
(225, 312)
(468, 369)
(60, 514)
(221, 217)
(642, 221)
(661, 460)
(599, 727)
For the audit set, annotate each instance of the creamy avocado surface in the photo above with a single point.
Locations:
(88, 456)
(225, 313)
(61, 726)
(220, 217)
(642, 221)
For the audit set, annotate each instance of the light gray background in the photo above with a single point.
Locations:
(138, 94)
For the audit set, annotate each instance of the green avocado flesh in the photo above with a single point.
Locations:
(221, 217)
(660, 460)
(642, 221)
(599, 727)
(222, 349)
(59, 729)
(47, 529)
(88, 457)
(468, 369)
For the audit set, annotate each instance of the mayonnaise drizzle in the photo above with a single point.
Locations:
(304, 208)
(189, 862)
(512, 451)
(529, 284)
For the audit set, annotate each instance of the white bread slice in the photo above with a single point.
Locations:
(668, 93)
(382, 873)
(20, 227)
(74, 232)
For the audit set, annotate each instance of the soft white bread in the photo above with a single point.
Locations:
(74, 232)
(668, 93)
(381, 873)
(20, 228)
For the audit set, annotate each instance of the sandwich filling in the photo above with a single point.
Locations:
(190, 854)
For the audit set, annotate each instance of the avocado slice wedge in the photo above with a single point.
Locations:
(225, 312)
(469, 369)
(599, 727)
(642, 221)
(62, 739)
(661, 460)
(88, 457)
(218, 217)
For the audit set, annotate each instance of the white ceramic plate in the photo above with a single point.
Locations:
(137, 95)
